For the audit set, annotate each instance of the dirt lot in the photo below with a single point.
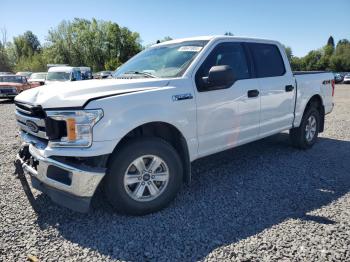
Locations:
(263, 201)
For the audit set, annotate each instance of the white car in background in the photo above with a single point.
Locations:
(38, 78)
(346, 79)
(63, 74)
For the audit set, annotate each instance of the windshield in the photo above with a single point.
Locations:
(12, 79)
(162, 61)
(38, 76)
(58, 76)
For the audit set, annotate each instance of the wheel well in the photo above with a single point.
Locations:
(316, 101)
(168, 133)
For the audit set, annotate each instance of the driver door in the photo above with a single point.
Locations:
(229, 116)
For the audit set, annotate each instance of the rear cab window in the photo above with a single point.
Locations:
(267, 60)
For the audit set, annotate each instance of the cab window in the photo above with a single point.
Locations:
(231, 54)
(267, 59)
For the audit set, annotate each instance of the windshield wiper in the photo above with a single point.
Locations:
(139, 73)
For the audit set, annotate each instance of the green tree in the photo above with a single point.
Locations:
(35, 63)
(26, 45)
(4, 60)
(229, 33)
(311, 60)
(330, 42)
(340, 61)
(297, 64)
(99, 44)
(5, 63)
(289, 52)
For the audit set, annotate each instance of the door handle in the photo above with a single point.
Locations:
(253, 93)
(289, 88)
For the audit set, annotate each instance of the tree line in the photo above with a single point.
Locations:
(102, 45)
(105, 45)
(331, 57)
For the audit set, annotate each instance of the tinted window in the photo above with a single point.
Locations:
(231, 54)
(267, 60)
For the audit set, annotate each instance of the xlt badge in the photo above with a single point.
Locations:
(182, 97)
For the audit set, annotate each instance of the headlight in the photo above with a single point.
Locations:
(78, 127)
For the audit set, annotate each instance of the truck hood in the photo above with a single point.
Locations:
(78, 93)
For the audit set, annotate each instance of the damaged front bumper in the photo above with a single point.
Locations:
(67, 184)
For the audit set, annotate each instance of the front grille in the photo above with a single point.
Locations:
(31, 119)
(30, 110)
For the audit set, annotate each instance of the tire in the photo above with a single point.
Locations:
(299, 135)
(125, 193)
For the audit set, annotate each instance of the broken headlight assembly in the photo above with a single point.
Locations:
(71, 128)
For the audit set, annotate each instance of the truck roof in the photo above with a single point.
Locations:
(67, 69)
(216, 37)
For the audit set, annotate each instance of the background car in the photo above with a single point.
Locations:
(86, 72)
(338, 78)
(26, 74)
(37, 78)
(103, 74)
(12, 85)
(63, 74)
(346, 79)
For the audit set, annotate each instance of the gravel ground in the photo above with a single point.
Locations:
(263, 201)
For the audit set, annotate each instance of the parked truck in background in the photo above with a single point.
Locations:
(12, 85)
(137, 134)
(62, 74)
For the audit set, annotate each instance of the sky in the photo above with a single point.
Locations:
(301, 24)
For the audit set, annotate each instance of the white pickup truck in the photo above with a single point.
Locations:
(137, 134)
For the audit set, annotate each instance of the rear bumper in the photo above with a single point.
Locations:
(68, 185)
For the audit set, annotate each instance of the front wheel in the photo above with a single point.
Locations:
(305, 136)
(143, 176)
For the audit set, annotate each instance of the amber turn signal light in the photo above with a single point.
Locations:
(71, 130)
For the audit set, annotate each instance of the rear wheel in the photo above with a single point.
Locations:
(305, 136)
(143, 176)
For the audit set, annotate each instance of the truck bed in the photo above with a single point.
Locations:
(310, 83)
(309, 72)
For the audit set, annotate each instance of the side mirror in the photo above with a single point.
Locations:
(219, 77)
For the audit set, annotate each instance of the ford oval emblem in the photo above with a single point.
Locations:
(32, 126)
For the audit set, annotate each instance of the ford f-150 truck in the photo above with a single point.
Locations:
(136, 135)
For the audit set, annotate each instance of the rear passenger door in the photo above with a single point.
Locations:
(277, 88)
(229, 116)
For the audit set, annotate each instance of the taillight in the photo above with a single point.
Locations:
(333, 87)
